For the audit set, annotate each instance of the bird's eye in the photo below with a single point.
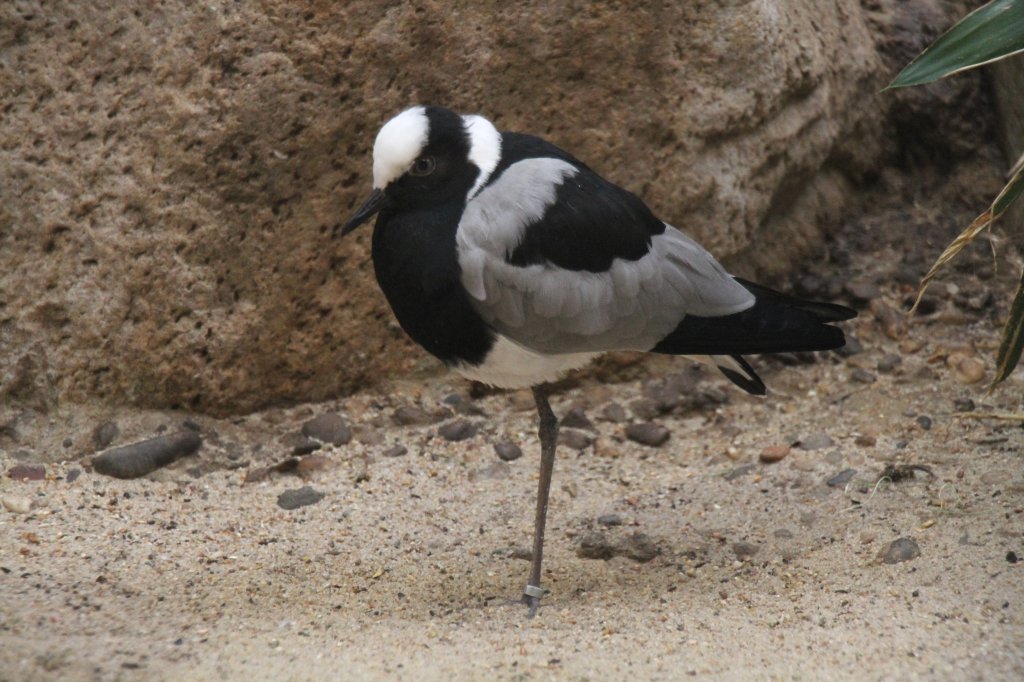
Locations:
(423, 166)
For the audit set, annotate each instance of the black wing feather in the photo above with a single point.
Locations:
(592, 221)
(776, 323)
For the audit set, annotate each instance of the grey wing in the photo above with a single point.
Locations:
(630, 306)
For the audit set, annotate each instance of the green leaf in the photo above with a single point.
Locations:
(1013, 337)
(989, 33)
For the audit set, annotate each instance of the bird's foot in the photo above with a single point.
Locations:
(531, 597)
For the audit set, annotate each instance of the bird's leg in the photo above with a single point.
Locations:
(547, 430)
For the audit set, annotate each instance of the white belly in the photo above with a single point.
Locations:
(509, 365)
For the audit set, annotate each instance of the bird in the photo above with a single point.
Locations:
(513, 262)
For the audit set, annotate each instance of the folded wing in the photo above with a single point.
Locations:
(561, 261)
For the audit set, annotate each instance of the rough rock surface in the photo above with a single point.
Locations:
(170, 174)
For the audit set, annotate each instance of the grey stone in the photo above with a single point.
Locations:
(139, 459)
(576, 418)
(609, 520)
(648, 433)
(572, 438)
(299, 497)
(507, 451)
(595, 546)
(329, 428)
(395, 451)
(815, 441)
(842, 478)
(457, 430)
(903, 549)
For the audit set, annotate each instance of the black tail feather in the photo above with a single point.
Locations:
(742, 375)
(776, 323)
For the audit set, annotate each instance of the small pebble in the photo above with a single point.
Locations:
(368, 434)
(644, 408)
(27, 472)
(572, 438)
(310, 464)
(810, 285)
(395, 451)
(745, 550)
(892, 323)
(815, 441)
(595, 546)
(639, 547)
(235, 451)
(1012, 557)
(300, 497)
(784, 534)
(409, 415)
(360, 469)
(523, 553)
(852, 347)
(605, 447)
(67, 443)
(967, 370)
(774, 453)
(995, 477)
(862, 376)
(494, 471)
(648, 433)
(507, 451)
(457, 430)
(576, 418)
(18, 504)
(925, 422)
(900, 550)
(963, 405)
(842, 478)
(865, 441)
(328, 428)
(300, 444)
(888, 363)
(862, 290)
(609, 520)
(911, 346)
(105, 434)
(739, 471)
(73, 475)
(615, 412)
(192, 425)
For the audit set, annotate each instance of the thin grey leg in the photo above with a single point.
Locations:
(547, 430)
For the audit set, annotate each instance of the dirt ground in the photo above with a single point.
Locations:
(722, 566)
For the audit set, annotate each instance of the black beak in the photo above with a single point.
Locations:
(372, 204)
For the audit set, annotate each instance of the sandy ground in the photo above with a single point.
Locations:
(410, 566)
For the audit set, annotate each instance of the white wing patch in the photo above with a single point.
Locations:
(544, 308)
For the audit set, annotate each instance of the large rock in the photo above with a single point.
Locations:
(170, 173)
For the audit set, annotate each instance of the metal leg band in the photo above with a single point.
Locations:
(533, 591)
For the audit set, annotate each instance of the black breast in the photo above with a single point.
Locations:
(416, 264)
